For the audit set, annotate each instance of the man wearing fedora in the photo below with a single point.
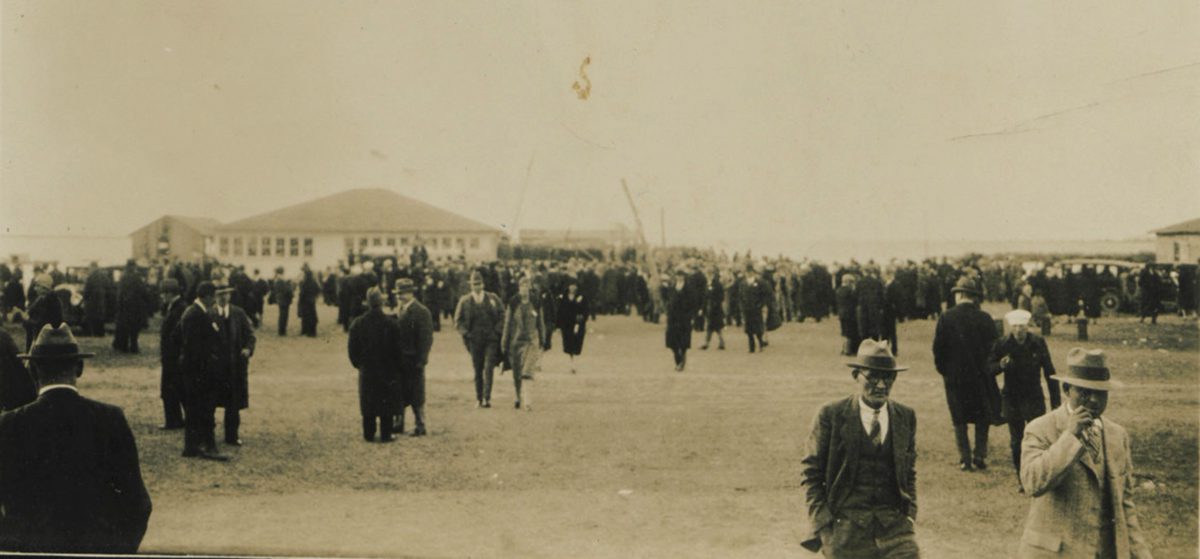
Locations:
(70, 481)
(415, 332)
(479, 319)
(859, 474)
(1024, 359)
(169, 347)
(198, 370)
(281, 294)
(962, 347)
(1077, 467)
(235, 345)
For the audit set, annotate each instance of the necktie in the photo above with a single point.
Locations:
(875, 429)
(1091, 439)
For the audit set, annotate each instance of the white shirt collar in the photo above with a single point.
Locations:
(865, 412)
(478, 297)
(50, 387)
(201, 303)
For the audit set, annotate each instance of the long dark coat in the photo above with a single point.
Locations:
(572, 322)
(1029, 363)
(714, 305)
(14, 294)
(374, 348)
(134, 303)
(69, 478)
(679, 317)
(753, 297)
(169, 348)
(962, 346)
(306, 307)
(198, 355)
(847, 311)
(16, 384)
(416, 339)
(95, 295)
(234, 334)
(869, 311)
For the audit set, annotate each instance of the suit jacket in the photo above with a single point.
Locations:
(374, 349)
(69, 478)
(962, 347)
(416, 335)
(830, 461)
(234, 333)
(1059, 474)
(480, 323)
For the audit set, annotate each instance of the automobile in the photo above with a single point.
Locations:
(1116, 282)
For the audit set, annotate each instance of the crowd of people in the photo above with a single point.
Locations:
(507, 312)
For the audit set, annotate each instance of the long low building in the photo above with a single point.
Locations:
(372, 222)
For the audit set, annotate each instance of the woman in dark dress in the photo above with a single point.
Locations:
(679, 318)
(572, 318)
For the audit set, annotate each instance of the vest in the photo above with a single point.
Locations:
(875, 493)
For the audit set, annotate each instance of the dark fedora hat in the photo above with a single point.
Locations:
(405, 285)
(205, 289)
(968, 285)
(55, 343)
(1086, 368)
(876, 356)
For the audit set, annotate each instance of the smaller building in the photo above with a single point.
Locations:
(173, 236)
(1178, 244)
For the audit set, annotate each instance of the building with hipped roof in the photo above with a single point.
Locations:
(1178, 244)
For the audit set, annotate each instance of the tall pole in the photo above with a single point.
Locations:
(636, 218)
(516, 233)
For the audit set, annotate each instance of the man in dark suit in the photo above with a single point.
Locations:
(169, 347)
(281, 293)
(859, 475)
(962, 345)
(416, 338)
(375, 351)
(1024, 359)
(847, 311)
(69, 475)
(235, 346)
(198, 363)
(134, 307)
(479, 319)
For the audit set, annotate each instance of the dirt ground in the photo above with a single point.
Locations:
(625, 458)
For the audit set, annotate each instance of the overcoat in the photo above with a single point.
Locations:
(869, 310)
(572, 321)
(415, 324)
(847, 311)
(679, 317)
(714, 305)
(69, 478)
(831, 455)
(1067, 490)
(1029, 363)
(169, 348)
(234, 334)
(374, 347)
(198, 354)
(95, 295)
(962, 346)
(134, 303)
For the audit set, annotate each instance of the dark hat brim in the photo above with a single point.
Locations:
(972, 291)
(76, 355)
(895, 369)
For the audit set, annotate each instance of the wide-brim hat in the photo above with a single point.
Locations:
(224, 288)
(968, 285)
(405, 285)
(876, 356)
(1086, 368)
(205, 288)
(1018, 317)
(476, 279)
(55, 343)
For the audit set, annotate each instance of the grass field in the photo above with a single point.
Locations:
(625, 458)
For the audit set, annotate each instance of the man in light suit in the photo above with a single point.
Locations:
(859, 475)
(479, 319)
(1078, 469)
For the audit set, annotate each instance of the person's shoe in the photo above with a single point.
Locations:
(478, 404)
(517, 404)
(419, 432)
(233, 442)
(387, 439)
(765, 343)
(980, 464)
(1020, 488)
(169, 427)
(369, 438)
(214, 456)
(487, 403)
(721, 347)
(966, 467)
(704, 347)
(190, 453)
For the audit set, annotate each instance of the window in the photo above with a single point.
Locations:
(362, 242)
(266, 246)
(460, 242)
(1176, 251)
(377, 242)
(294, 247)
(474, 242)
(391, 241)
(237, 246)
(224, 246)
(445, 242)
(308, 246)
(251, 247)
(403, 241)
(279, 242)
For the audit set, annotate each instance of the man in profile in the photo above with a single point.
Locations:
(70, 481)
(859, 474)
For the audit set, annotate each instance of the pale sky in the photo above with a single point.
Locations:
(750, 121)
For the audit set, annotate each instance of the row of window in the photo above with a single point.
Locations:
(432, 242)
(264, 246)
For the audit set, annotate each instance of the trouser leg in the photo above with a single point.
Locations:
(981, 441)
(419, 417)
(133, 340)
(963, 443)
(477, 362)
(233, 420)
(283, 319)
(368, 426)
(491, 359)
(1016, 432)
(172, 412)
(191, 429)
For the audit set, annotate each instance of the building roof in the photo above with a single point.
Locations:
(205, 225)
(360, 210)
(1189, 227)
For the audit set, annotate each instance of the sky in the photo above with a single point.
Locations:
(772, 122)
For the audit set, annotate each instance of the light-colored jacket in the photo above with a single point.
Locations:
(1058, 472)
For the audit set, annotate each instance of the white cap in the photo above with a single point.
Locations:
(1018, 317)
